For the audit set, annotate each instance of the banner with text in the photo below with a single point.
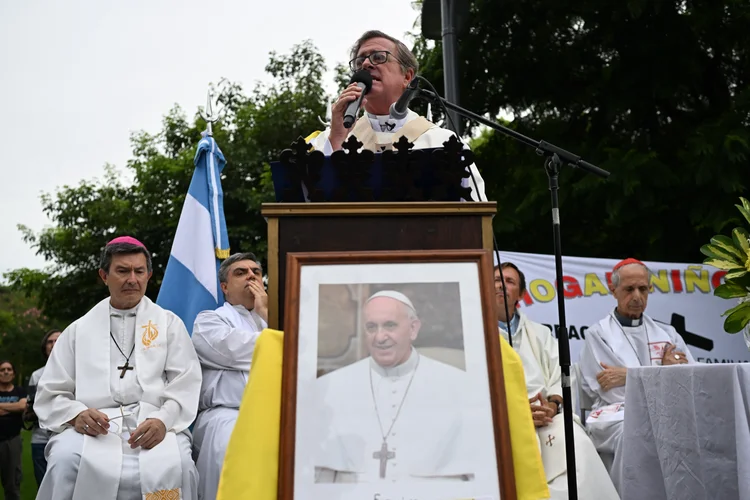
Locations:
(682, 296)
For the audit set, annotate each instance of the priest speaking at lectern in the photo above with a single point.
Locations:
(392, 66)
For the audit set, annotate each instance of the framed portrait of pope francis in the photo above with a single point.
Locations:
(392, 379)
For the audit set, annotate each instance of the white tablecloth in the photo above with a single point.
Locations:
(686, 433)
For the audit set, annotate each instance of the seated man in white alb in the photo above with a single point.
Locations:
(395, 415)
(225, 340)
(537, 348)
(119, 392)
(625, 338)
(392, 66)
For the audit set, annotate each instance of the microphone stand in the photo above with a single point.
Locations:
(554, 158)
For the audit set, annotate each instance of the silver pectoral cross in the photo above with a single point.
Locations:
(383, 455)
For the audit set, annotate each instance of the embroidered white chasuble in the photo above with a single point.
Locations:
(420, 132)
(84, 372)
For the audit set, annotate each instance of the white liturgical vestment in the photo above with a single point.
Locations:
(225, 341)
(84, 371)
(380, 132)
(539, 355)
(640, 344)
(417, 406)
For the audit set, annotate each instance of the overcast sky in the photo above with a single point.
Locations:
(77, 78)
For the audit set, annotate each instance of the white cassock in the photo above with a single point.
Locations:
(224, 340)
(539, 355)
(419, 410)
(377, 133)
(613, 344)
(82, 373)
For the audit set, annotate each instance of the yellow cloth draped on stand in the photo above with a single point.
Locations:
(251, 462)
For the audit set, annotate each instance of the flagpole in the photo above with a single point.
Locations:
(209, 114)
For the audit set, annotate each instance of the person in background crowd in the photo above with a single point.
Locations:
(39, 436)
(12, 405)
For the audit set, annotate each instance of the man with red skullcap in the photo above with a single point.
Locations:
(626, 337)
(119, 392)
(537, 348)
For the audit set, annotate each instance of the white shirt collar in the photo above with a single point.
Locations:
(384, 123)
(113, 311)
(629, 322)
(246, 314)
(398, 370)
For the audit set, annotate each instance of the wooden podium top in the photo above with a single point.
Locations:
(379, 208)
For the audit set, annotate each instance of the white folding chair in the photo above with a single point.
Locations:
(586, 402)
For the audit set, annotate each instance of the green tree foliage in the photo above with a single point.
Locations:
(253, 130)
(22, 326)
(655, 92)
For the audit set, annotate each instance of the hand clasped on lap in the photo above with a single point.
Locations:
(93, 423)
(542, 413)
(147, 435)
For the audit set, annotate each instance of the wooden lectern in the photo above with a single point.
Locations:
(322, 227)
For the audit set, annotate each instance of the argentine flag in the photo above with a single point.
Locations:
(191, 280)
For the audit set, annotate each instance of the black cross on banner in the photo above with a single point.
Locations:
(693, 339)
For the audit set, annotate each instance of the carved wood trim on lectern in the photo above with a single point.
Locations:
(414, 208)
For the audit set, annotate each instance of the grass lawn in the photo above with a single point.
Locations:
(28, 483)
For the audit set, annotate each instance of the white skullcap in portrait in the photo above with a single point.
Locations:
(393, 295)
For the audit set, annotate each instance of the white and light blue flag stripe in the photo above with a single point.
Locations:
(191, 282)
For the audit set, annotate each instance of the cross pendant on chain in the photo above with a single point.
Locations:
(124, 368)
(383, 455)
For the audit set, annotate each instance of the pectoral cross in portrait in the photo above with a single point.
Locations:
(383, 455)
(124, 368)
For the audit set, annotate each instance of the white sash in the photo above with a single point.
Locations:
(101, 458)
(552, 444)
(613, 335)
(552, 436)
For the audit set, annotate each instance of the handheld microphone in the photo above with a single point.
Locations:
(363, 79)
(400, 108)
